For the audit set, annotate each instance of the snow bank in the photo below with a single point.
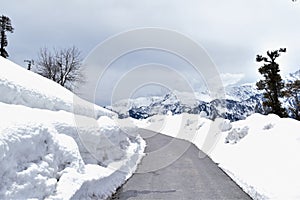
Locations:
(201, 131)
(23, 87)
(33, 160)
(47, 152)
(265, 162)
(259, 153)
(46, 155)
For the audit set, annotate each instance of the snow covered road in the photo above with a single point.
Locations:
(190, 176)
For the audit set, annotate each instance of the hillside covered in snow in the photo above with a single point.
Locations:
(241, 101)
(53, 148)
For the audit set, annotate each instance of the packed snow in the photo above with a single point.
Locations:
(259, 153)
(48, 152)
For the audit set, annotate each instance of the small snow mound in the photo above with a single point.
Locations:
(225, 125)
(236, 135)
(203, 114)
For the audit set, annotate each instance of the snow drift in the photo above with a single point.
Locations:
(48, 152)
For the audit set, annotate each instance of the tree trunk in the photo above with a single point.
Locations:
(2, 44)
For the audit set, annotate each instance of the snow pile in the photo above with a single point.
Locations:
(47, 152)
(259, 153)
(225, 125)
(33, 159)
(265, 162)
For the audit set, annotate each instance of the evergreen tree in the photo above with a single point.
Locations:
(5, 26)
(272, 83)
(293, 90)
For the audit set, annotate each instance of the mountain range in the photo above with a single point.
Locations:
(239, 102)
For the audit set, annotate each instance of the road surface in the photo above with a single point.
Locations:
(175, 169)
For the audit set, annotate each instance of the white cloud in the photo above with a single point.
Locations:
(232, 31)
(231, 79)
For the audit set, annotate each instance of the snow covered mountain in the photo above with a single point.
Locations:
(240, 102)
(292, 77)
(237, 105)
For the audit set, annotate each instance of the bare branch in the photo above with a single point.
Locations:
(62, 66)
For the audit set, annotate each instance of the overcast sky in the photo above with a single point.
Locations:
(231, 31)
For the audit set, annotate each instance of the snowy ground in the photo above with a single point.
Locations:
(47, 152)
(260, 153)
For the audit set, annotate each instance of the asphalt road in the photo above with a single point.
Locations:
(173, 169)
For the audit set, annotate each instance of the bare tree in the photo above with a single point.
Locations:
(62, 66)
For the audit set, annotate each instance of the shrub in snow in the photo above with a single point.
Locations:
(268, 126)
(200, 124)
(189, 122)
(236, 134)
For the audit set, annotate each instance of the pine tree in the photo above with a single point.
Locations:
(272, 83)
(5, 26)
(293, 91)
